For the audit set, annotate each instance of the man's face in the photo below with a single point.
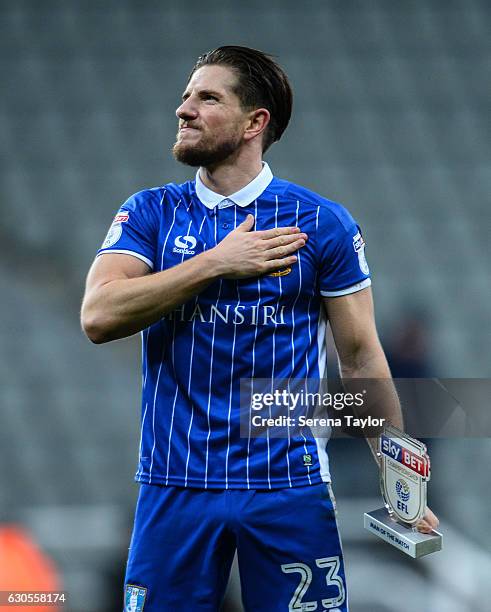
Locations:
(211, 119)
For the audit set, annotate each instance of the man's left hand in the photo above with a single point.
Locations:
(428, 522)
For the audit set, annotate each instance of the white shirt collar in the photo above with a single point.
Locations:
(243, 197)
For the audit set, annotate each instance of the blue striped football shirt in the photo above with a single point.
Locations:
(267, 327)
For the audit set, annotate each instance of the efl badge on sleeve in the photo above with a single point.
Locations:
(404, 473)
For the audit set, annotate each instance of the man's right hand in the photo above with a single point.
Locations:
(245, 253)
(122, 297)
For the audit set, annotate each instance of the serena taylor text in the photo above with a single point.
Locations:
(346, 420)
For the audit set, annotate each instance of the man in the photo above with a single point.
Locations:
(231, 277)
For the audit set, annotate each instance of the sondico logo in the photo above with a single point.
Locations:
(184, 245)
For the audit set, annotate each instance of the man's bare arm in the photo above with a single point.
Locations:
(361, 356)
(122, 297)
(359, 350)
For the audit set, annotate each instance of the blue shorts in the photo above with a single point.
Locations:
(184, 541)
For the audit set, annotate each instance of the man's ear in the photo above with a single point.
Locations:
(258, 122)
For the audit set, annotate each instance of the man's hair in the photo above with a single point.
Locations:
(261, 83)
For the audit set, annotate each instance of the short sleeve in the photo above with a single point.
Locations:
(134, 230)
(343, 267)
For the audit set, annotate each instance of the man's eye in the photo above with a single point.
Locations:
(210, 97)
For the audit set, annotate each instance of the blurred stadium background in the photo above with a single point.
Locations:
(391, 118)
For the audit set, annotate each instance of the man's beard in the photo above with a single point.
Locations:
(205, 154)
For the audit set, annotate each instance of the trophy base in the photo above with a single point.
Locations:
(411, 542)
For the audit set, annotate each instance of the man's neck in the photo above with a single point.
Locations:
(228, 178)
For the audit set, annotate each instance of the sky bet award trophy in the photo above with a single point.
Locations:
(404, 473)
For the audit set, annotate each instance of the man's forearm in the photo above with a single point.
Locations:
(118, 304)
(122, 307)
(371, 371)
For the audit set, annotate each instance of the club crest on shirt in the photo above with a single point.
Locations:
(134, 598)
(359, 247)
(283, 272)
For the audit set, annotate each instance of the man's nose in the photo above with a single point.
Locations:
(187, 110)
